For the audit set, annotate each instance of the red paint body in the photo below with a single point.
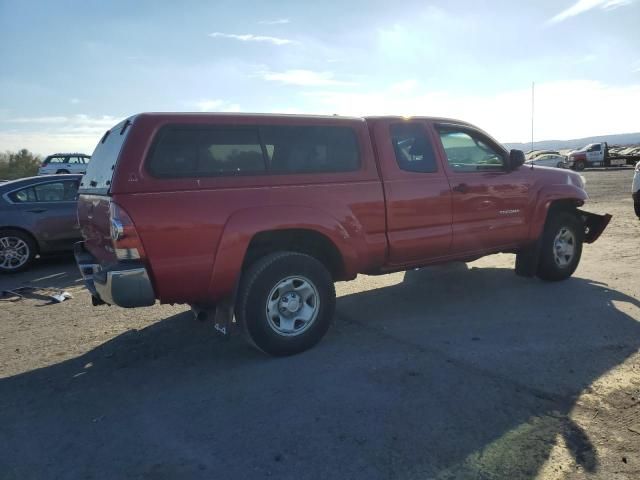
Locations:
(195, 231)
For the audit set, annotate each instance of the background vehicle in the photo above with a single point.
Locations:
(549, 160)
(64, 163)
(635, 189)
(533, 154)
(258, 215)
(38, 215)
(598, 155)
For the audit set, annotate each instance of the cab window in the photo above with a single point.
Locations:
(469, 152)
(412, 148)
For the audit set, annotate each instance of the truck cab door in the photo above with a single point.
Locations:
(595, 155)
(417, 192)
(489, 201)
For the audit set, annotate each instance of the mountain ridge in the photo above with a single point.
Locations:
(615, 139)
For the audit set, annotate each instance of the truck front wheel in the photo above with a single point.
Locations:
(580, 165)
(561, 246)
(286, 303)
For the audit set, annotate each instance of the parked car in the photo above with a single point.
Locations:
(254, 217)
(38, 216)
(64, 163)
(549, 160)
(537, 153)
(635, 189)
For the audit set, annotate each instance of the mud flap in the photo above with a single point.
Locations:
(527, 260)
(594, 225)
(224, 321)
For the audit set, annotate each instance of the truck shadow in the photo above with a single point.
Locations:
(449, 374)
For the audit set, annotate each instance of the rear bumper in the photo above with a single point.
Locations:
(126, 284)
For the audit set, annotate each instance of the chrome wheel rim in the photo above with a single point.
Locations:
(292, 306)
(564, 246)
(14, 253)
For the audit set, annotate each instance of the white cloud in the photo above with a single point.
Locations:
(306, 78)
(48, 120)
(49, 134)
(278, 21)
(215, 105)
(249, 37)
(75, 101)
(564, 110)
(405, 86)
(582, 6)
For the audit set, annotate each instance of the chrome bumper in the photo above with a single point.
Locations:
(126, 285)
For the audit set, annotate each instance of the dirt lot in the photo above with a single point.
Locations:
(464, 371)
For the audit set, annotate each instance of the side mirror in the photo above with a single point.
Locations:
(516, 159)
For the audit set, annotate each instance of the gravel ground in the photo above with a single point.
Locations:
(461, 371)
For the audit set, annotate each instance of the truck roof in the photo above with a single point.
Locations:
(337, 118)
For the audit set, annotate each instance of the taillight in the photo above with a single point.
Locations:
(125, 239)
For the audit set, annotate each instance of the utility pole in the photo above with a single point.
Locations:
(533, 88)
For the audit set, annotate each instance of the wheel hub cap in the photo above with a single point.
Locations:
(292, 306)
(290, 303)
(564, 247)
(14, 252)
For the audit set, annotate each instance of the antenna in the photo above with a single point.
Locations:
(533, 89)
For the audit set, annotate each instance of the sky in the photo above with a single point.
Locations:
(69, 70)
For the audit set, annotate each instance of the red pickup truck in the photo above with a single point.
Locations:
(252, 218)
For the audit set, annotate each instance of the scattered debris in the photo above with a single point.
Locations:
(61, 297)
(39, 293)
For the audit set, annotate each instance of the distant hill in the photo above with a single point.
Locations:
(619, 139)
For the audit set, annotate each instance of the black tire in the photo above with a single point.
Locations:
(550, 267)
(255, 289)
(636, 207)
(59, 172)
(9, 235)
(560, 165)
(579, 165)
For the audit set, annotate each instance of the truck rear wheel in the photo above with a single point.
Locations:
(286, 303)
(561, 246)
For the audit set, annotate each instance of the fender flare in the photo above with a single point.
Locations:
(544, 201)
(243, 225)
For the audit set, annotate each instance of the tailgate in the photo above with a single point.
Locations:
(94, 193)
(95, 224)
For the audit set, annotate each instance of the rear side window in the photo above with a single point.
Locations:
(194, 151)
(47, 192)
(189, 151)
(56, 160)
(412, 147)
(310, 149)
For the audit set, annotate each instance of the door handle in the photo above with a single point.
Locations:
(37, 210)
(461, 188)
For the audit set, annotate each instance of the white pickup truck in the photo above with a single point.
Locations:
(594, 155)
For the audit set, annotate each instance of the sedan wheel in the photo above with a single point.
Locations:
(16, 251)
